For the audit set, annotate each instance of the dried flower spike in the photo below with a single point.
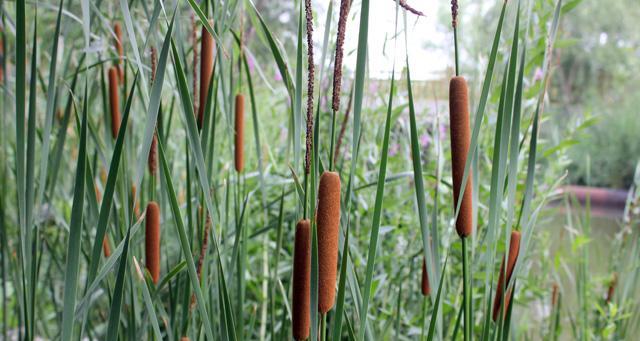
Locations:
(328, 219)
(337, 64)
(152, 160)
(460, 140)
(301, 300)
(310, 83)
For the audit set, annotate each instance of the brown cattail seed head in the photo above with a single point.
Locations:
(328, 219)
(555, 291)
(152, 240)
(301, 281)
(105, 247)
(426, 287)
(612, 288)
(184, 338)
(206, 70)
(117, 29)
(337, 64)
(460, 140)
(239, 133)
(514, 249)
(152, 160)
(114, 102)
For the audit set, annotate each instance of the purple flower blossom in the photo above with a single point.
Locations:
(393, 149)
(425, 139)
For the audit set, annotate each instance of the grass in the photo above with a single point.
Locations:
(396, 198)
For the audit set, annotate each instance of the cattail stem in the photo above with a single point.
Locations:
(333, 134)
(206, 70)
(328, 221)
(466, 290)
(343, 127)
(301, 300)
(454, 24)
(152, 240)
(239, 133)
(114, 102)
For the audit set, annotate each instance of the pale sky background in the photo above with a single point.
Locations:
(426, 38)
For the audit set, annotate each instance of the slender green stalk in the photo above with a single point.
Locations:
(466, 289)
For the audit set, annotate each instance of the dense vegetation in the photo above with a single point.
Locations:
(178, 169)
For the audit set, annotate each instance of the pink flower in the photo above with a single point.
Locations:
(537, 75)
(278, 76)
(393, 149)
(425, 139)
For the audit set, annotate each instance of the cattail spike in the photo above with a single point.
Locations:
(328, 218)
(555, 291)
(105, 247)
(460, 140)
(136, 206)
(612, 288)
(426, 287)
(301, 281)
(206, 70)
(152, 160)
(152, 240)
(514, 249)
(337, 64)
(454, 13)
(239, 133)
(154, 63)
(117, 29)
(114, 102)
(310, 84)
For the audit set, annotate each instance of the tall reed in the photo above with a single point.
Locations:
(301, 281)
(514, 249)
(207, 46)
(239, 133)
(114, 101)
(152, 240)
(328, 220)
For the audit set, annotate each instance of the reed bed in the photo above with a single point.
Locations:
(258, 242)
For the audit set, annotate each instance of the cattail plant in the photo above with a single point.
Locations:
(207, 46)
(301, 281)
(136, 206)
(328, 220)
(426, 287)
(152, 160)
(117, 29)
(114, 102)
(460, 139)
(239, 133)
(612, 288)
(152, 240)
(106, 249)
(310, 85)
(555, 291)
(514, 249)
(154, 62)
(194, 48)
(454, 25)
